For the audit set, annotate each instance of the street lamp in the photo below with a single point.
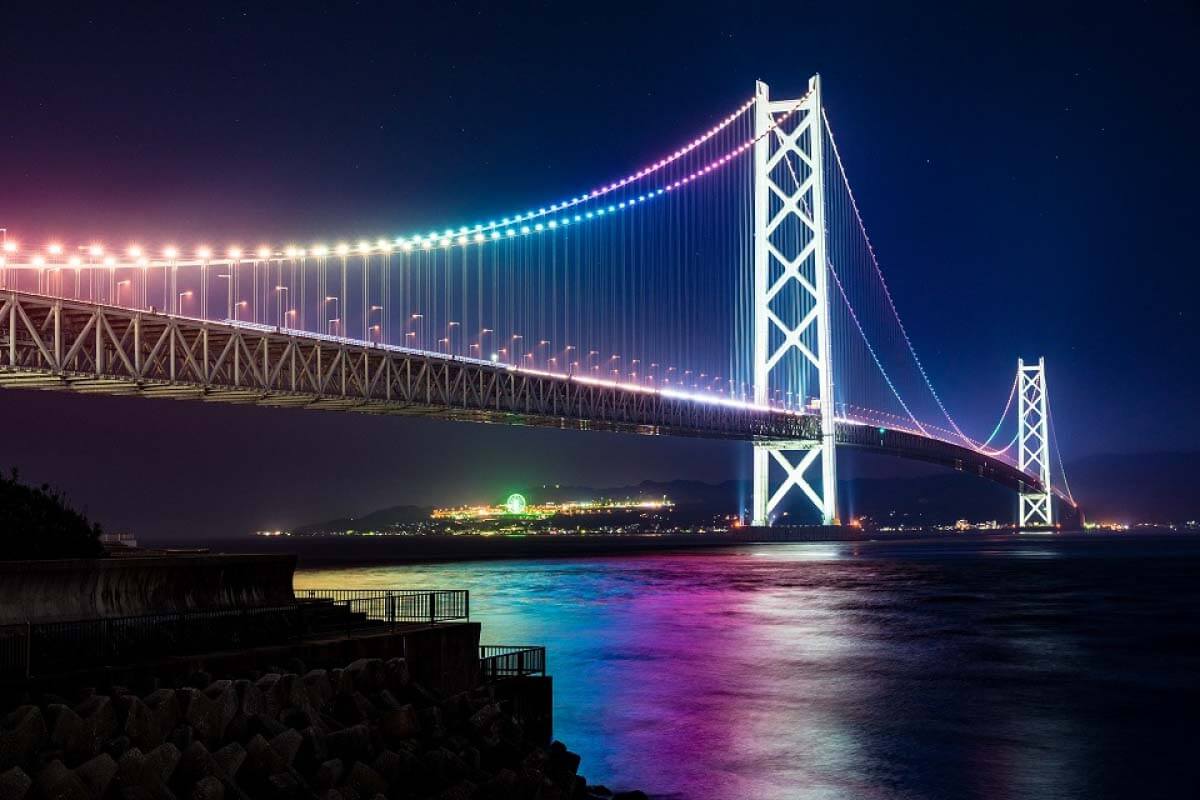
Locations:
(237, 309)
(378, 327)
(228, 276)
(128, 283)
(280, 301)
(336, 317)
(179, 301)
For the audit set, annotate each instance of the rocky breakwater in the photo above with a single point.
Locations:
(364, 732)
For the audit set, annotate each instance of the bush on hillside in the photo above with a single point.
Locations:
(38, 523)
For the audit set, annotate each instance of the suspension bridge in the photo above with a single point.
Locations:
(727, 289)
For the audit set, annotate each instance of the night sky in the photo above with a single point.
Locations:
(1027, 173)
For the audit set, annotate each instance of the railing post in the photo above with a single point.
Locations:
(391, 610)
(432, 608)
(28, 649)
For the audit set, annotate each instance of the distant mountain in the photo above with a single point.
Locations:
(376, 520)
(1141, 487)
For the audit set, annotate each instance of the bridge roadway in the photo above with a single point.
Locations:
(53, 343)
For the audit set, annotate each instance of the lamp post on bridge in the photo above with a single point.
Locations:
(379, 327)
(280, 301)
(336, 316)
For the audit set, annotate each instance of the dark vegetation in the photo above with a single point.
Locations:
(39, 523)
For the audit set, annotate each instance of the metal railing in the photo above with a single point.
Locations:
(14, 650)
(510, 661)
(397, 605)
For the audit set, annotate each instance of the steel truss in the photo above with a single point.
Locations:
(50, 343)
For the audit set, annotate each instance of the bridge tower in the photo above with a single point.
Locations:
(1036, 507)
(791, 294)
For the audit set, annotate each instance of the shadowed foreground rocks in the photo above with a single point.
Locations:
(360, 733)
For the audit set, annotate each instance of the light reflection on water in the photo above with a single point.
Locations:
(968, 669)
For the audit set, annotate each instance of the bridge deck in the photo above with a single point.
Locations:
(51, 343)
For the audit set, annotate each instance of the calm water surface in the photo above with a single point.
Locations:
(1031, 668)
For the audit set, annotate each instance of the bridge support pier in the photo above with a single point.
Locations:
(792, 332)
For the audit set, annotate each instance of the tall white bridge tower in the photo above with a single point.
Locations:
(791, 293)
(1033, 443)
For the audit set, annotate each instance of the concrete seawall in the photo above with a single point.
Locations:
(74, 589)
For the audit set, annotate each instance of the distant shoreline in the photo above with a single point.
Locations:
(319, 552)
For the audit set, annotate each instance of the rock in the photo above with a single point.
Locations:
(250, 698)
(207, 788)
(463, 790)
(636, 794)
(100, 718)
(201, 713)
(395, 767)
(159, 765)
(350, 743)
(287, 744)
(599, 790)
(141, 725)
(313, 749)
(129, 768)
(14, 784)
(396, 674)
(22, 733)
(401, 723)
(164, 707)
(368, 674)
(225, 703)
(264, 725)
(384, 701)
(56, 782)
(342, 680)
(318, 687)
(117, 746)
(214, 689)
(329, 774)
(96, 774)
(366, 781)
(261, 759)
(194, 763)
(283, 693)
(265, 682)
(71, 734)
(181, 737)
(283, 785)
(562, 761)
(229, 759)
(296, 717)
(485, 719)
(431, 722)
